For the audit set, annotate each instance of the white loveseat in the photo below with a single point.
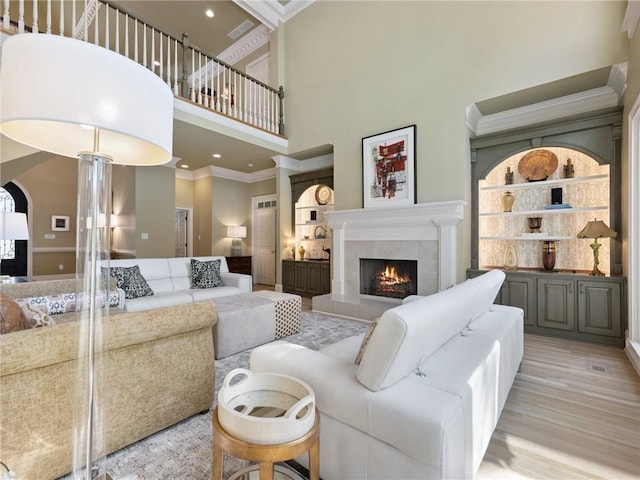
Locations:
(427, 395)
(170, 280)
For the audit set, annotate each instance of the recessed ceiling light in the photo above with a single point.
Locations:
(250, 165)
(209, 13)
(184, 165)
(217, 155)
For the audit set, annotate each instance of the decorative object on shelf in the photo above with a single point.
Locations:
(534, 224)
(320, 232)
(548, 254)
(568, 169)
(596, 229)
(301, 251)
(314, 215)
(507, 200)
(306, 237)
(389, 168)
(538, 165)
(556, 196)
(508, 177)
(291, 244)
(323, 194)
(510, 257)
(327, 251)
(236, 234)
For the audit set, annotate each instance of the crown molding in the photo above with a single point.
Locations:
(316, 163)
(618, 78)
(245, 45)
(631, 18)
(271, 12)
(219, 172)
(473, 117)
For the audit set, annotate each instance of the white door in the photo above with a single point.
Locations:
(264, 240)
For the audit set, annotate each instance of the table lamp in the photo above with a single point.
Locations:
(596, 229)
(76, 99)
(13, 226)
(236, 233)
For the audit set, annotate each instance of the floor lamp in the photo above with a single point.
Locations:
(76, 99)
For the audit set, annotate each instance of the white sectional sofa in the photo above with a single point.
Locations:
(170, 280)
(424, 400)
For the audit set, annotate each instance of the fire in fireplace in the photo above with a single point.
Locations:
(388, 278)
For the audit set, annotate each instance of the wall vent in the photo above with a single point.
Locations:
(240, 29)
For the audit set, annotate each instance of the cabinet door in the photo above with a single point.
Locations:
(599, 309)
(325, 278)
(520, 292)
(314, 278)
(288, 277)
(300, 277)
(556, 303)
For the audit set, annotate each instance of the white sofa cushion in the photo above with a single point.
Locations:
(409, 333)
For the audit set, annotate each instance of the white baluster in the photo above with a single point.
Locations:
(117, 31)
(160, 55)
(96, 29)
(62, 17)
(126, 35)
(212, 100)
(106, 27)
(21, 16)
(135, 41)
(193, 81)
(73, 19)
(144, 46)
(152, 66)
(218, 95)
(6, 19)
(49, 17)
(175, 67)
(34, 26)
(168, 61)
(234, 93)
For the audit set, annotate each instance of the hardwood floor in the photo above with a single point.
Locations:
(573, 413)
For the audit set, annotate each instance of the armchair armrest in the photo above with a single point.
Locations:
(239, 280)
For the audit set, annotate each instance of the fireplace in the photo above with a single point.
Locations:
(388, 278)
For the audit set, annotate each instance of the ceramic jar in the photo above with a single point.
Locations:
(301, 252)
(507, 201)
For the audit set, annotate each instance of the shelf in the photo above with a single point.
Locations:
(312, 239)
(316, 207)
(538, 239)
(544, 211)
(560, 181)
(310, 223)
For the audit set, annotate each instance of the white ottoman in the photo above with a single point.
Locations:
(244, 321)
(288, 308)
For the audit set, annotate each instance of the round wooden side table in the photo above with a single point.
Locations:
(266, 455)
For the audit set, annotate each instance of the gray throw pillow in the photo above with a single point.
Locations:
(131, 281)
(205, 274)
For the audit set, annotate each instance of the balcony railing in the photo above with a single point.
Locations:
(189, 72)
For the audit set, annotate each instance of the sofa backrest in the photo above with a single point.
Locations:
(181, 270)
(406, 335)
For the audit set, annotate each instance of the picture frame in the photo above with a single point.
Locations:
(389, 168)
(59, 223)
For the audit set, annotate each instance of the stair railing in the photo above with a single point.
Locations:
(188, 71)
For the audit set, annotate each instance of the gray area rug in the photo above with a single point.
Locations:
(184, 451)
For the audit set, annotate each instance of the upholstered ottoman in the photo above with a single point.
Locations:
(244, 321)
(288, 307)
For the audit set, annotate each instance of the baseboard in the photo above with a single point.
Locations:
(632, 350)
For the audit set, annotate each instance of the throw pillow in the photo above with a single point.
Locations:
(131, 281)
(36, 317)
(11, 317)
(365, 340)
(205, 274)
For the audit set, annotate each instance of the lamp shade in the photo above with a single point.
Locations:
(13, 226)
(56, 91)
(596, 229)
(237, 232)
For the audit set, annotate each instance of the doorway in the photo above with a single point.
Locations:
(264, 239)
(14, 253)
(184, 229)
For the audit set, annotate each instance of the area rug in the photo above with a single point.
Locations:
(184, 451)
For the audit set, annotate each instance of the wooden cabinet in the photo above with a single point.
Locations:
(577, 307)
(306, 278)
(239, 265)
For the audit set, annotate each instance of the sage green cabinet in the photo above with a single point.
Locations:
(556, 303)
(599, 309)
(519, 292)
(306, 278)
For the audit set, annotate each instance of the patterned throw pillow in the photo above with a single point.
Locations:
(11, 317)
(37, 317)
(205, 274)
(365, 340)
(131, 281)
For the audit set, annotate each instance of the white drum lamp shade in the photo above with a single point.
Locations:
(236, 233)
(13, 226)
(56, 90)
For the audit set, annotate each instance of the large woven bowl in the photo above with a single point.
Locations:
(265, 408)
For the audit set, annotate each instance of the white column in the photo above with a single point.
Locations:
(447, 252)
(337, 260)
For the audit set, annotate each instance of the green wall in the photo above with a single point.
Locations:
(423, 63)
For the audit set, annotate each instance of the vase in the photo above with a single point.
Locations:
(534, 224)
(507, 201)
(510, 257)
(549, 255)
(301, 251)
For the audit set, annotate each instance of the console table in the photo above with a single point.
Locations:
(239, 264)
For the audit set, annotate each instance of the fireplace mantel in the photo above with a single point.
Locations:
(436, 222)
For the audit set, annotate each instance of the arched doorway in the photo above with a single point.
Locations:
(13, 252)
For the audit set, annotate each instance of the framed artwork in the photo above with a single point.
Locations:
(59, 223)
(389, 168)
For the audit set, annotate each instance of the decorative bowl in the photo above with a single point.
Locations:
(534, 224)
(265, 408)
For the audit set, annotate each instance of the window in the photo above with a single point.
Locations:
(7, 204)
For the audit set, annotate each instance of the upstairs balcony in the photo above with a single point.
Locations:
(208, 92)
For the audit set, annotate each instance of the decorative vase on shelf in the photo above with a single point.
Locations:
(508, 177)
(535, 223)
(510, 257)
(568, 169)
(507, 201)
(301, 251)
(549, 254)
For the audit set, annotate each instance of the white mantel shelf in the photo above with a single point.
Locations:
(424, 221)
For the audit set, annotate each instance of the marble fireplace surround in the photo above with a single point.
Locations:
(426, 232)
